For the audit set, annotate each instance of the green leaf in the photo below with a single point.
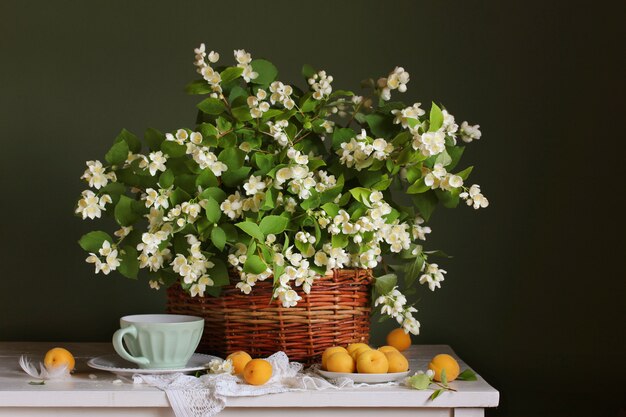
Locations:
(331, 209)
(198, 87)
(254, 264)
(466, 172)
(166, 179)
(383, 184)
(231, 232)
(218, 237)
(382, 126)
(236, 92)
(312, 202)
(179, 196)
(271, 113)
(467, 375)
(425, 203)
(455, 153)
(134, 144)
(449, 199)
(419, 381)
(384, 284)
(418, 187)
(231, 73)
(266, 70)
(270, 200)
(435, 394)
(129, 264)
(117, 154)
(436, 118)
(37, 383)
(173, 149)
(273, 224)
(232, 178)
(264, 162)
(124, 213)
(223, 125)
(242, 113)
(212, 106)
(213, 212)
(444, 377)
(443, 158)
(206, 179)
(339, 241)
(362, 194)
(92, 241)
(342, 135)
(232, 157)
(216, 193)
(308, 71)
(252, 229)
(310, 104)
(219, 273)
(204, 227)
(153, 138)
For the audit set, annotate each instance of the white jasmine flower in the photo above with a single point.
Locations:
(281, 94)
(419, 231)
(432, 276)
(475, 197)
(242, 56)
(212, 77)
(196, 138)
(244, 60)
(254, 185)
(469, 132)
(91, 206)
(155, 285)
(283, 175)
(430, 143)
(123, 232)
(96, 176)
(402, 116)
(244, 287)
(320, 84)
(449, 125)
(157, 198)
(157, 162)
(232, 206)
(214, 57)
(257, 105)
(277, 130)
(398, 79)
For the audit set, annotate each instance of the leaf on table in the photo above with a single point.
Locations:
(467, 375)
(435, 394)
(419, 381)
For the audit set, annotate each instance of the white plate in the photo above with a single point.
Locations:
(113, 363)
(365, 378)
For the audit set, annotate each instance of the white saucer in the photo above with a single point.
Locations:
(365, 378)
(113, 363)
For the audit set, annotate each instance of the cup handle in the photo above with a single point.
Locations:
(119, 346)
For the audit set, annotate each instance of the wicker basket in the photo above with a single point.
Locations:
(335, 312)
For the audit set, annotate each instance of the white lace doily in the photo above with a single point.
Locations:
(206, 396)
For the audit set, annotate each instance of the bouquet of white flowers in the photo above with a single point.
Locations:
(282, 183)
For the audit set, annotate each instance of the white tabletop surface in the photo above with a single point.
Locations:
(82, 391)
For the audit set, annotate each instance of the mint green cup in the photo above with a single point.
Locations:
(158, 341)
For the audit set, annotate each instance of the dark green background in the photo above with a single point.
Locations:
(534, 295)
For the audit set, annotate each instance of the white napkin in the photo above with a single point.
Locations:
(206, 396)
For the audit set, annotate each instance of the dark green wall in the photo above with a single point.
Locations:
(535, 293)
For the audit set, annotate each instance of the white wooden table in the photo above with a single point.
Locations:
(84, 396)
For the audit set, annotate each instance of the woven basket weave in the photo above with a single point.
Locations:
(335, 312)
